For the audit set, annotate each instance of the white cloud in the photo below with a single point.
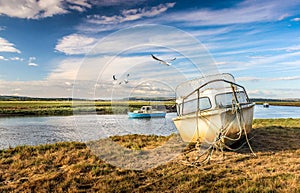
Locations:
(82, 3)
(35, 88)
(6, 46)
(130, 15)
(281, 93)
(3, 58)
(255, 79)
(293, 48)
(262, 93)
(31, 63)
(285, 78)
(294, 63)
(282, 17)
(66, 70)
(32, 9)
(75, 44)
(246, 12)
(16, 59)
(275, 59)
(296, 19)
(242, 13)
(212, 31)
(31, 59)
(104, 3)
(92, 76)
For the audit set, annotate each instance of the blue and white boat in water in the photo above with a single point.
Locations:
(146, 112)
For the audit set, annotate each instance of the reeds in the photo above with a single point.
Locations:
(72, 167)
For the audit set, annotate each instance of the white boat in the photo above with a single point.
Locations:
(213, 109)
(146, 112)
(266, 105)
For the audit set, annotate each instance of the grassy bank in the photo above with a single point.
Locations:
(40, 108)
(72, 167)
(280, 103)
(65, 107)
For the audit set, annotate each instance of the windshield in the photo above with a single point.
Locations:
(226, 99)
(191, 106)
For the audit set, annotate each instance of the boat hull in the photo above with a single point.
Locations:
(206, 127)
(145, 115)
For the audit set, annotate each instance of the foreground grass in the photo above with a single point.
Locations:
(31, 108)
(71, 167)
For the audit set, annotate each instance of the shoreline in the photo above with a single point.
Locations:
(285, 104)
(62, 108)
(280, 122)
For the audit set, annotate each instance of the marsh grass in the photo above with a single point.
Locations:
(281, 103)
(40, 108)
(72, 167)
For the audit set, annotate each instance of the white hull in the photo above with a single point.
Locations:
(207, 126)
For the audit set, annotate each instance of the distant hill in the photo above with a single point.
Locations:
(26, 98)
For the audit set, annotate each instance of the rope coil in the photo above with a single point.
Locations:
(221, 136)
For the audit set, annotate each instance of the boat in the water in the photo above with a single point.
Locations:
(213, 109)
(146, 112)
(266, 105)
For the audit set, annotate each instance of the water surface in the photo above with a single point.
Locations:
(41, 130)
(261, 112)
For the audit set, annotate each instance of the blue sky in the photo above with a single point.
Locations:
(64, 48)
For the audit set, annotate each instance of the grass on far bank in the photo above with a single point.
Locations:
(40, 108)
(66, 107)
(281, 103)
(72, 167)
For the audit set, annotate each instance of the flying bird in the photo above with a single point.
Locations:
(123, 81)
(168, 63)
(126, 80)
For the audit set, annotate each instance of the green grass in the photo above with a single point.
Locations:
(281, 103)
(72, 167)
(286, 123)
(15, 108)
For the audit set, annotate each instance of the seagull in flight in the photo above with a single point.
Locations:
(163, 61)
(125, 80)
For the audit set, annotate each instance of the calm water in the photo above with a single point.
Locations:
(276, 112)
(40, 130)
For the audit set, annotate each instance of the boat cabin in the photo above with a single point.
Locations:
(144, 109)
(213, 109)
(212, 95)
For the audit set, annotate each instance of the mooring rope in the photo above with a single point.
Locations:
(219, 142)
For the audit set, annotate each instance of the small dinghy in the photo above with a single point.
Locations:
(266, 105)
(146, 112)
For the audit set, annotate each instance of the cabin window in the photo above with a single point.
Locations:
(191, 105)
(224, 100)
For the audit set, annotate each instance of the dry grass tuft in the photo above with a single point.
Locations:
(71, 167)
